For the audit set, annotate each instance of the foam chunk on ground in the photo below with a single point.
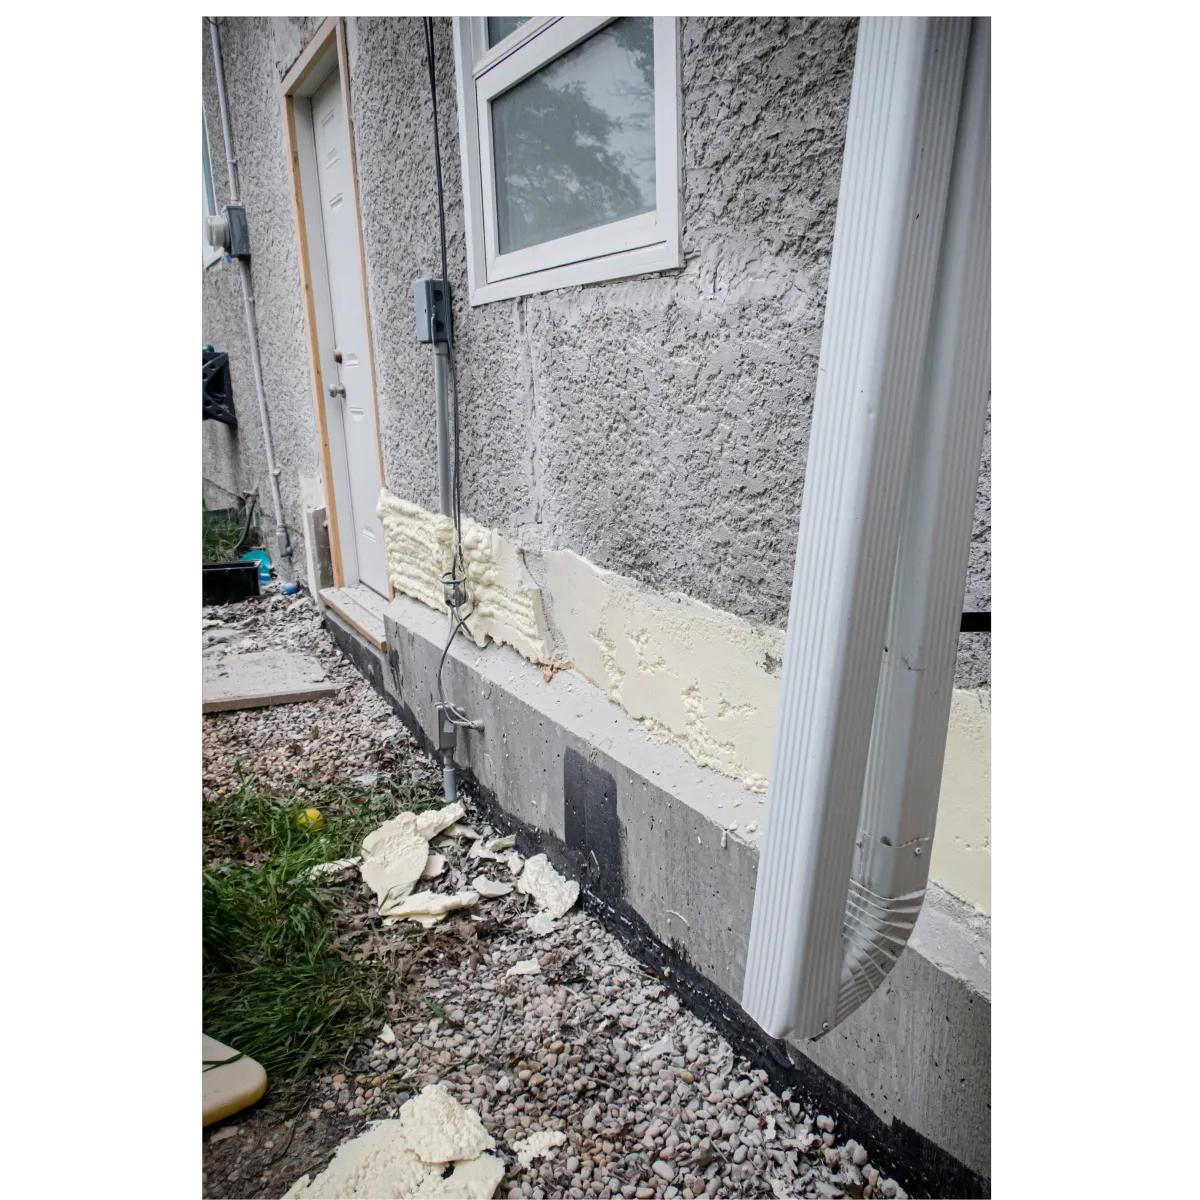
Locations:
(428, 908)
(551, 892)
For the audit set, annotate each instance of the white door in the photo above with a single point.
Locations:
(344, 365)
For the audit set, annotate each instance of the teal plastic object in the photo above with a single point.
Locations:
(264, 563)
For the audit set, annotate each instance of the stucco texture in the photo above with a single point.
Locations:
(235, 460)
(656, 426)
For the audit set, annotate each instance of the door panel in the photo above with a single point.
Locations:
(350, 378)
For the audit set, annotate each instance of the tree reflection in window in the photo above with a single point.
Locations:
(574, 142)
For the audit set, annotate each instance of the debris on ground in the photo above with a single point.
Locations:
(527, 966)
(650, 1099)
(428, 908)
(408, 1157)
(552, 894)
(397, 854)
(490, 887)
(333, 868)
(538, 1145)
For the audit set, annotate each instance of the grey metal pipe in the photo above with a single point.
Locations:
(223, 101)
(441, 387)
(283, 546)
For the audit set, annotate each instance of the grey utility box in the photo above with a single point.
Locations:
(431, 298)
(239, 231)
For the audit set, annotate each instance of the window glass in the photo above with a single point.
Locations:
(500, 27)
(574, 142)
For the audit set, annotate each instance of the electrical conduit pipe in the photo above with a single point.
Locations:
(282, 543)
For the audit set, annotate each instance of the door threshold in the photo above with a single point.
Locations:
(362, 609)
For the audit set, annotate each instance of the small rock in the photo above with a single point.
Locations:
(664, 1171)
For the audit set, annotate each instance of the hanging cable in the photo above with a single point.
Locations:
(453, 581)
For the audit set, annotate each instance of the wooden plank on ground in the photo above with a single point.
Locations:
(360, 608)
(263, 677)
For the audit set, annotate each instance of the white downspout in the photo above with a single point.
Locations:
(912, 710)
(900, 144)
(283, 546)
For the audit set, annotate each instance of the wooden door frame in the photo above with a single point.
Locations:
(324, 53)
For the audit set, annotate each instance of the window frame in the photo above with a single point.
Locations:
(208, 188)
(632, 246)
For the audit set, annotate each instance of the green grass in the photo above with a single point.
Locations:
(221, 537)
(283, 980)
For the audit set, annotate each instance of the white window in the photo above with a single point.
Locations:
(210, 199)
(570, 138)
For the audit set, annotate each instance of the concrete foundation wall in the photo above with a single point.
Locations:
(641, 825)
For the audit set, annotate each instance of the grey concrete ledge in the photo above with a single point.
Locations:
(640, 824)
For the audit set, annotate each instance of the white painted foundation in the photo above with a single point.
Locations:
(694, 675)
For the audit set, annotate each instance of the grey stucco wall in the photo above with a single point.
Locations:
(256, 51)
(658, 426)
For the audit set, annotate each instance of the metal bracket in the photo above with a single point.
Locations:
(447, 730)
(217, 390)
(454, 593)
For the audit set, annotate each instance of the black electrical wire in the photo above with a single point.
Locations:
(456, 479)
(454, 580)
(250, 500)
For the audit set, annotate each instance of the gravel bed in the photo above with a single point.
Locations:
(653, 1102)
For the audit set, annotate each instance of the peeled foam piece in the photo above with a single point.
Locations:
(489, 887)
(430, 824)
(550, 891)
(428, 908)
(396, 854)
(528, 966)
(440, 1130)
(404, 1158)
(476, 1179)
(543, 1144)
(394, 857)
(541, 924)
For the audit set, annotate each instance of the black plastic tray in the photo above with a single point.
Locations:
(229, 582)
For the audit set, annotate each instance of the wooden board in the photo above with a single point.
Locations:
(360, 608)
(263, 677)
(229, 1088)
